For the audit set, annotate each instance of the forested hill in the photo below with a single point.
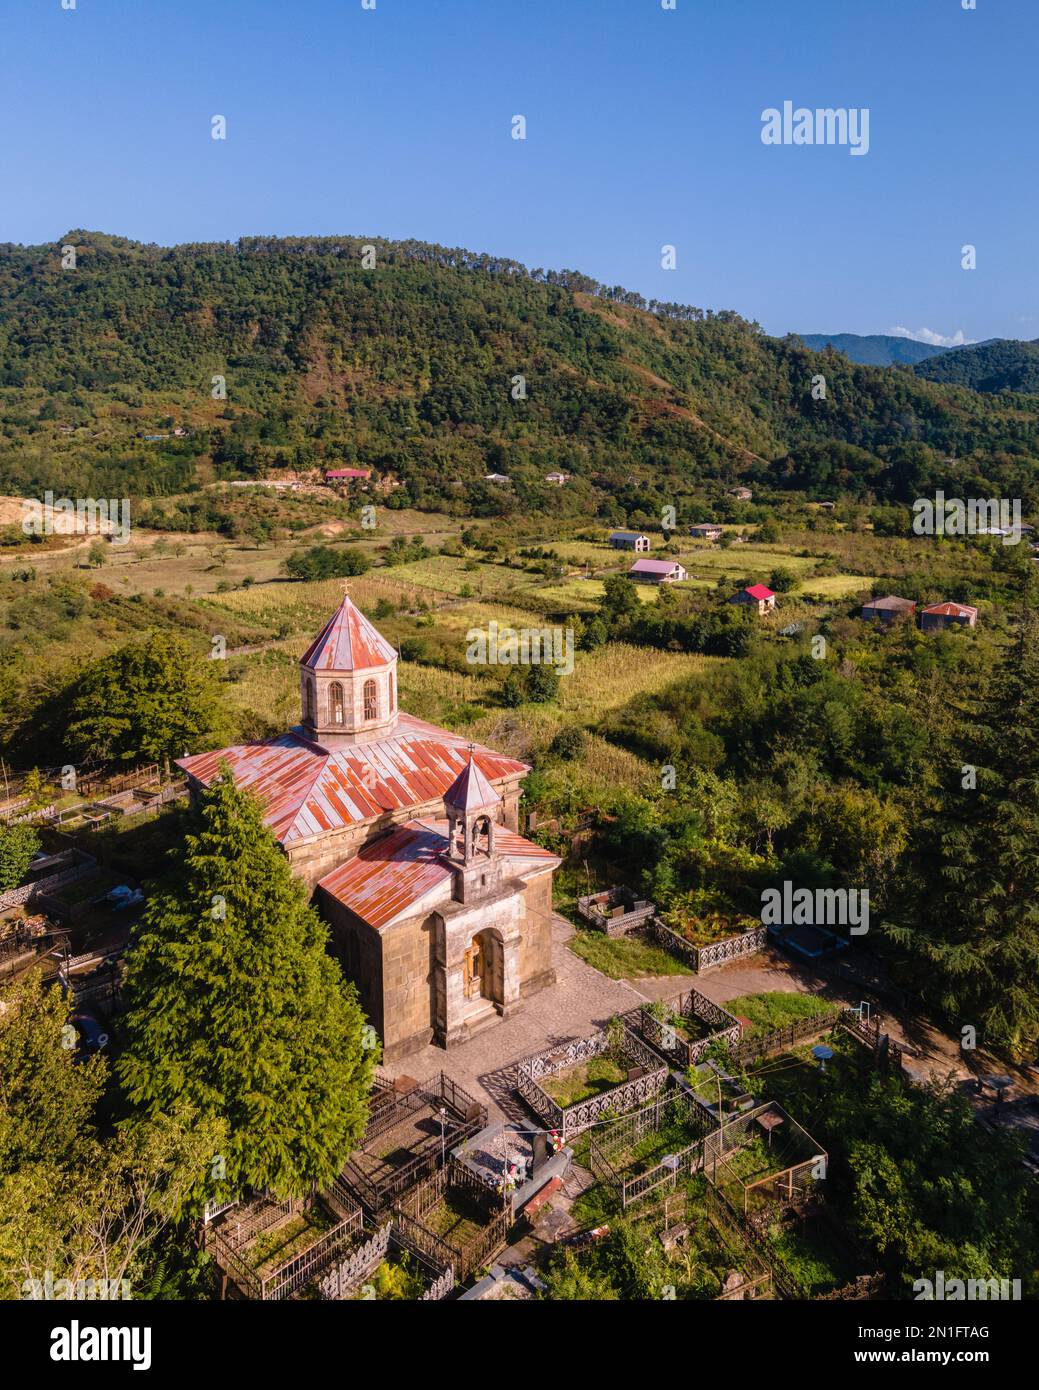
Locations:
(1002, 365)
(874, 349)
(410, 367)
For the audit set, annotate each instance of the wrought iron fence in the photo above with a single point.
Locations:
(572, 1119)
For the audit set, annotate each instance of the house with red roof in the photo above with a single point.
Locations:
(757, 594)
(943, 615)
(408, 836)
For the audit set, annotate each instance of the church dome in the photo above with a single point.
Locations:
(348, 680)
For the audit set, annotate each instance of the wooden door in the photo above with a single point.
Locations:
(473, 970)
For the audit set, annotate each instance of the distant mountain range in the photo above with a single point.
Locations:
(872, 350)
(997, 364)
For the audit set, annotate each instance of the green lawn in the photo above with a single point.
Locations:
(582, 1082)
(624, 957)
(776, 1009)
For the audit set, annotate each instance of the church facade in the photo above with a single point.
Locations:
(408, 837)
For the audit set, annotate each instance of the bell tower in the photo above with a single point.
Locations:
(472, 807)
(348, 681)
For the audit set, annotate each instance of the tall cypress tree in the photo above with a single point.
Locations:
(969, 918)
(234, 1005)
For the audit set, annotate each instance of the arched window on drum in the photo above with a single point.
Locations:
(371, 700)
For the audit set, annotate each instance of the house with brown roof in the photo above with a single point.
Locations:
(658, 571)
(440, 911)
(943, 615)
(888, 608)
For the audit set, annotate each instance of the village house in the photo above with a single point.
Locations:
(706, 531)
(742, 494)
(629, 540)
(757, 594)
(440, 911)
(559, 479)
(495, 477)
(343, 477)
(943, 615)
(888, 608)
(658, 571)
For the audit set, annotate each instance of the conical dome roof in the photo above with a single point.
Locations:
(348, 642)
(471, 791)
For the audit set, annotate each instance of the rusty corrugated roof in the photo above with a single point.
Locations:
(308, 790)
(389, 877)
(348, 642)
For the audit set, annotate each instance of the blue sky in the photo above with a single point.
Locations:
(644, 129)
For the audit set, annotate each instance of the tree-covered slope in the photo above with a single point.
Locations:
(412, 366)
(1001, 365)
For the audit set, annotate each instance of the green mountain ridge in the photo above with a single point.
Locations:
(440, 365)
(1001, 364)
(873, 349)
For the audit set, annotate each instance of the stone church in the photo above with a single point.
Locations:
(440, 911)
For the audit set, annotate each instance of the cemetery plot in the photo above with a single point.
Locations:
(683, 1028)
(652, 1149)
(678, 1245)
(761, 1158)
(269, 1250)
(411, 1129)
(454, 1220)
(573, 1086)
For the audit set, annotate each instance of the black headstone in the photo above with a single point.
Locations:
(541, 1152)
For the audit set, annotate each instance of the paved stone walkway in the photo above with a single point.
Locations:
(581, 1000)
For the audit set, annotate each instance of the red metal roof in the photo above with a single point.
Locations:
(952, 610)
(387, 878)
(348, 642)
(759, 591)
(307, 789)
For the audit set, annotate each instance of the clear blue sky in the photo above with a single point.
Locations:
(644, 128)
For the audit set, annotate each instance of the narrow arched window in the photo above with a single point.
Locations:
(335, 703)
(393, 691)
(308, 700)
(371, 700)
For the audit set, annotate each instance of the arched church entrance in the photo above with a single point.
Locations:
(484, 968)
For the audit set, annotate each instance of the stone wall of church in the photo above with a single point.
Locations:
(407, 964)
(536, 945)
(358, 949)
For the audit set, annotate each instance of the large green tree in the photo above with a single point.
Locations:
(148, 700)
(234, 1005)
(18, 844)
(75, 1201)
(969, 914)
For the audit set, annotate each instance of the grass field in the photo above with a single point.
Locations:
(624, 957)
